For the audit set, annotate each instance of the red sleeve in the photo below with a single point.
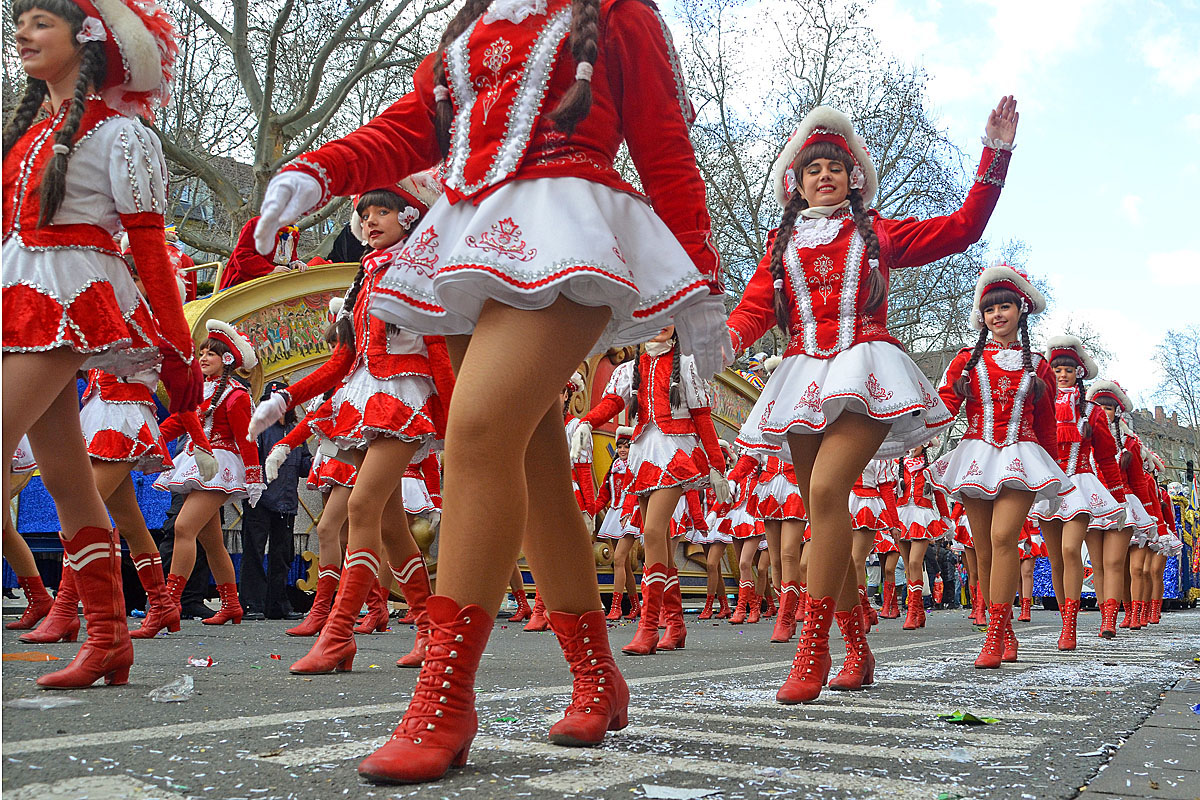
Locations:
(1104, 453)
(431, 472)
(587, 486)
(744, 468)
(1045, 427)
(237, 411)
(702, 419)
(1135, 475)
(400, 141)
(245, 263)
(148, 243)
(755, 312)
(911, 242)
(609, 406)
(695, 509)
(1168, 510)
(939, 500)
(604, 496)
(953, 372)
(887, 489)
(656, 130)
(187, 422)
(323, 378)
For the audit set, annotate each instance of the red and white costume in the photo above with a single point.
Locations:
(393, 383)
(840, 356)
(612, 497)
(23, 460)
(582, 481)
(671, 446)
(873, 499)
(422, 486)
(1031, 543)
(326, 472)
(65, 284)
(962, 529)
(921, 507)
(776, 492)
(1143, 525)
(119, 422)
(239, 471)
(720, 530)
(515, 184)
(742, 519)
(689, 518)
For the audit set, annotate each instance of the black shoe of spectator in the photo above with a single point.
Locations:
(254, 616)
(197, 611)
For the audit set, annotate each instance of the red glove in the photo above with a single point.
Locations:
(184, 381)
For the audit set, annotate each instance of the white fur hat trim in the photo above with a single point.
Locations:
(576, 383)
(1111, 388)
(1005, 274)
(1074, 343)
(244, 348)
(829, 119)
(624, 431)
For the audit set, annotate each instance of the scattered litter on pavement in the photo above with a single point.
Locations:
(958, 754)
(966, 718)
(276, 657)
(30, 656)
(372, 666)
(255, 666)
(43, 703)
(137, 613)
(654, 792)
(1196, 708)
(196, 661)
(177, 691)
(506, 719)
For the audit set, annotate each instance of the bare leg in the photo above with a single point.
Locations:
(1027, 579)
(1157, 572)
(860, 550)
(889, 567)
(1073, 535)
(972, 566)
(999, 525)
(1052, 532)
(1139, 574)
(1095, 546)
(774, 529)
(330, 527)
(199, 509)
(212, 540)
(17, 552)
(516, 583)
(713, 555)
(746, 557)
(120, 496)
(657, 509)
(914, 562)
(621, 564)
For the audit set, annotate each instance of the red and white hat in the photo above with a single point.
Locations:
(241, 353)
(1111, 390)
(575, 384)
(1155, 464)
(624, 432)
(336, 304)
(140, 44)
(1072, 347)
(825, 124)
(1002, 275)
(419, 192)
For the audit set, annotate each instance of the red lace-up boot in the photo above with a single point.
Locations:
(1010, 642)
(916, 607)
(334, 649)
(537, 620)
(742, 609)
(1127, 620)
(95, 556)
(1026, 610)
(599, 696)
(707, 611)
(62, 623)
(635, 606)
(890, 609)
(413, 580)
(1108, 618)
(161, 612)
(327, 583)
(436, 731)
(524, 612)
(993, 645)
(676, 635)
(1070, 622)
(376, 618)
(772, 610)
(615, 608)
(754, 614)
(870, 616)
(39, 604)
(858, 670)
(810, 667)
(785, 623)
(231, 608)
(645, 641)
(726, 611)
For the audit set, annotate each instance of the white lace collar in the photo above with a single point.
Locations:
(514, 11)
(821, 225)
(1010, 358)
(656, 349)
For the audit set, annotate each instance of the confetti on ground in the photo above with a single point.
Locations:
(30, 656)
(195, 661)
(966, 718)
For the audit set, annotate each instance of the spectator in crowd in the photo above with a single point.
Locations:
(246, 264)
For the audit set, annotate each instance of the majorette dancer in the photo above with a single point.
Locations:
(921, 508)
(39, 604)
(225, 416)
(1006, 459)
(846, 392)
(71, 181)
(1141, 560)
(887, 474)
(1099, 502)
(612, 496)
(389, 412)
(747, 539)
(1032, 546)
(741, 520)
(965, 544)
(675, 448)
(530, 157)
(873, 514)
(720, 535)
(582, 482)
(1110, 570)
(1169, 544)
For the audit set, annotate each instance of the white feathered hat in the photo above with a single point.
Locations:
(1110, 389)
(1002, 275)
(419, 192)
(624, 432)
(575, 383)
(336, 304)
(1157, 462)
(825, 124)
(1072, 347)
(139, 41)
(241, 352)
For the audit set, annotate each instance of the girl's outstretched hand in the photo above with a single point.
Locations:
(1002, 121)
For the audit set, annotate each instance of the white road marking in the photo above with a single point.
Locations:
(899, 707)
(986, 687)
(96, 788)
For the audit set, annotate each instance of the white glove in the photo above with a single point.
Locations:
(703, 334)
(589, 522)
(267, 413)
(254, 490)
(275, 459)
(580, 441)
(720, 485)
(288, 196)
(206, 463)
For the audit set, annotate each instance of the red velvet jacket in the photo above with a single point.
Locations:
(245, 263)
(309, 426)
(1168, 509)
(429, 471)
(230, 425)
(916, 478)
(1134, 475)
(1002, 408)
(1076, 457)
(504, 79)
(827, 269)
(616, 481)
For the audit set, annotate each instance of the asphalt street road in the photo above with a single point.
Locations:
(702, 718)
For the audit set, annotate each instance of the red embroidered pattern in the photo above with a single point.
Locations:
(811, 399)
(1095, 502)
(762, 423)
(974, 469)
(876, 391)
(504, 239)
(617, 250)
(419, 255)
(1016, 466)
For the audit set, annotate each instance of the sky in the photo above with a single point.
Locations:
(1102, 185)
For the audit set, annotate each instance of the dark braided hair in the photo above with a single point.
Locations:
(1038, 385)
(444, 109)
(635, 384)
(92, 70)
(1115, 427)
(585, 47)
(341, 331)
(783, 237)
(676, 380)
(877, 287)
(220, 348)
(1080, 398)
(993, 297)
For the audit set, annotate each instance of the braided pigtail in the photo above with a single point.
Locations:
(27, 109)
(1081, 408)
(585, 47)
(54, 179)
(676, 381)
(962, 386)
(219, 391)
(444, 109)
(877, 286)
(1124, 457)
(635, 385)
(344, 325)
(1038, 385)
(783, 239)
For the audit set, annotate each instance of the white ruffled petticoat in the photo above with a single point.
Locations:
(614, 528)
(416, 496)
(530, 242)
(124, 432)
(877, 379)
(919, 522)
(230, 477)
(977, 469)
(1091, 498)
